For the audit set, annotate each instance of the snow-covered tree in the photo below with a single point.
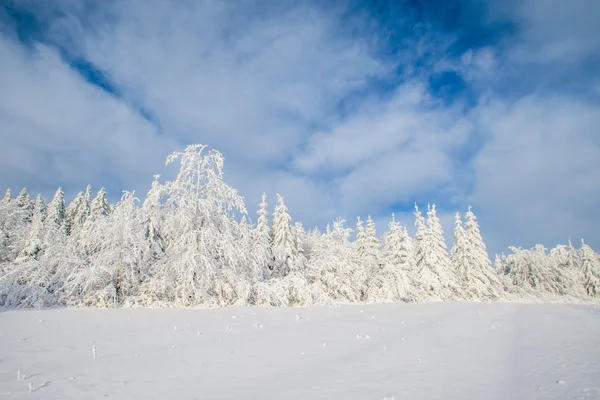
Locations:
(434, 273)
(34, 243)
(202, 264)
(79, 210)
(57, 210)
(283, 239)
(7, 197)
(300, 254)
(471, 260)
(361, 238)
(25, 204)
(537, 273)
(458, 253)
(372, 244)
(262, 225)
(590, 265)
(99, 206)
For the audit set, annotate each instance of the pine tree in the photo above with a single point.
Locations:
(283, 240)
(79, 210)
(478, 253)
(300, 254)
(407, 251)
(56, 209)
(25, 204)
(99, 206)
(34, 244)
(361, 238)
(7, 197)
(590, 265)
(478, 278)
(372, 242)
(263, 216)
(458, 254)
(434, 271)
(420, 236)
(393, 243)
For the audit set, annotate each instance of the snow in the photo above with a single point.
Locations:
(439, 350)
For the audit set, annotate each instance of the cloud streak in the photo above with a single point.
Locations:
(343, 112)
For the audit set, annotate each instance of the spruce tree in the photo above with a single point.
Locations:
(283, 240)
(361, 238)
(590, 265)
(99, 206)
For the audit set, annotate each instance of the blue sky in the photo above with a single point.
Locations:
(345, 108)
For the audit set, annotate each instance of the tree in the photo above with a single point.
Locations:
(79, 210)
(7, 197)
(202, 262)
(590, 265)
(361, 238)
(99, 206)
(393, 243)
(34, 244)
(371, 243)
(477, 252)
(56, 210)
(471, 259)
(24, 203)
(434, 273)
(458, 254)
(283, 239)
(300, 259)
(263, 216)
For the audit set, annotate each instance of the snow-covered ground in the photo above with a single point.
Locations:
(446, 350)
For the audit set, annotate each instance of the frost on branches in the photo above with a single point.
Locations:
(191, 243)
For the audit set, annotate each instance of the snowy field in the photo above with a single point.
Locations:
(447, 350)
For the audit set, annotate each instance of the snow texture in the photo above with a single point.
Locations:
(449, 350)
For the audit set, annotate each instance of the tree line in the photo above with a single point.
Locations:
(190, 242)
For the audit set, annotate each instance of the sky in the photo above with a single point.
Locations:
(346, 108)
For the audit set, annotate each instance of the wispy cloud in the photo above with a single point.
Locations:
(344, 110)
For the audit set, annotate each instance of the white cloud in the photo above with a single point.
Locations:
(264, 88)
(58, 130)
(537, 176)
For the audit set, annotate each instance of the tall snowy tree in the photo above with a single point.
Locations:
(99, 206)
(371, 243)
(477, 251)
(361, 238)
(300, 253)
(25, 204)
(389, 281)
(393, 243)
(263, 216)
(590, 265)
(202, 264)
(56, 209)
(458, 254)
(434, 272)
(79, 210)
(7, 196)
(471, 260)
(34, 242)
(283, 239)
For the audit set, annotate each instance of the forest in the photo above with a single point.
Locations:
(191, 243)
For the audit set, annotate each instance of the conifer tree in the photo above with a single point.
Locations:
(25, 204)
(590, 265)
(458, 254)
(477, 251)
(371, 243)
(361, 238)
(7, 197)
(99, 207)
(283, 240)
